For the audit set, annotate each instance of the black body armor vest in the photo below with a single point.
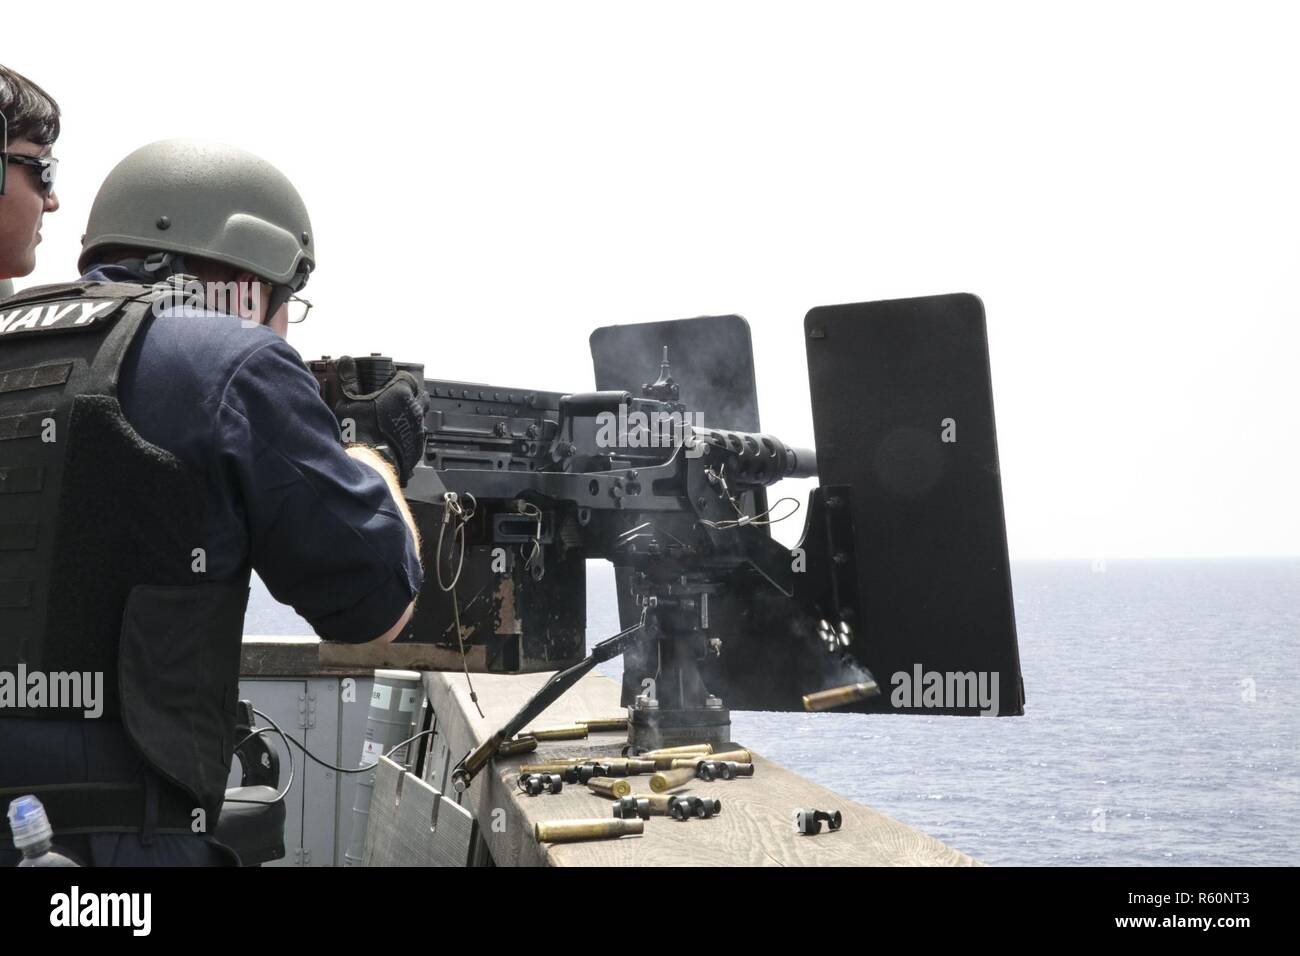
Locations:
(98, 538)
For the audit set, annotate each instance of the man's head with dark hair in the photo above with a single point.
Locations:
(31, 113)
(31, 125)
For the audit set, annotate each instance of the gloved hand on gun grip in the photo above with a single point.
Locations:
(390, 420)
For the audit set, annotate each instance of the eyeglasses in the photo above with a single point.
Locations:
(298, 309)
(48, 165)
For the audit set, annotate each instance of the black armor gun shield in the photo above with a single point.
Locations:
(903, 414)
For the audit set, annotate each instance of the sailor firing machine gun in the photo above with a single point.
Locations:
(901, 573)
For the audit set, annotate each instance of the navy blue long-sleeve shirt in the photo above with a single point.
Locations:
(238, 406)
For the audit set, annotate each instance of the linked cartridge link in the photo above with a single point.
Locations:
(686, 806)
(723, 770)
(537, 783)
(809, 822)
(632, 806)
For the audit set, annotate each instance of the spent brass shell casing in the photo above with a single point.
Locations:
(520, 745)
(666, 761)
(622, 766)
(604, 724)
(679, 751)
(569, 831)
(569, 732)
(731, 756)
(840, 696)
(658, 802)
(666, 780)
(627, 766)
(609, 786)
(559, 768)
(738, 756)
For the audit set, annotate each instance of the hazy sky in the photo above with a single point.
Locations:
(1120, 183)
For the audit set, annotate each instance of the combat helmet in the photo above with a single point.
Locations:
(205, 199)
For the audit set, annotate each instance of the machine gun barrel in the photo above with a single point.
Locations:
(763, 458)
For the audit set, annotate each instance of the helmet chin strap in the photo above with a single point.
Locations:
(282, 292)
(164, 264)
(158, 266)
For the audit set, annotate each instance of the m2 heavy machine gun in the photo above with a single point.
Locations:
(896, 600)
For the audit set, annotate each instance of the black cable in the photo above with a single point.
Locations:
(279, 797)
(389, 752)
(451, 506)
(303, 747)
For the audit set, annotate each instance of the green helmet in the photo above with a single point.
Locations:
(204, 199)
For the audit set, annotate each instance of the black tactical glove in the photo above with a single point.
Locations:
(390, 420)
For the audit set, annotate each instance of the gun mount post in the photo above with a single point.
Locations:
(680, 709)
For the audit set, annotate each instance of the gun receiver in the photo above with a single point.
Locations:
(556, 479)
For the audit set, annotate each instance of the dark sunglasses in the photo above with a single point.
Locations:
(48, 165)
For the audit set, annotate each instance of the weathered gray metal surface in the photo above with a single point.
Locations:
(411, 824)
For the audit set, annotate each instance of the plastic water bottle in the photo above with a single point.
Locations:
(33, 834)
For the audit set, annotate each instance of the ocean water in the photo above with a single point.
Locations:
(1162, 722)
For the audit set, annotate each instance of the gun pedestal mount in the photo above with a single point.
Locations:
(652, 727)
(677, 708)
